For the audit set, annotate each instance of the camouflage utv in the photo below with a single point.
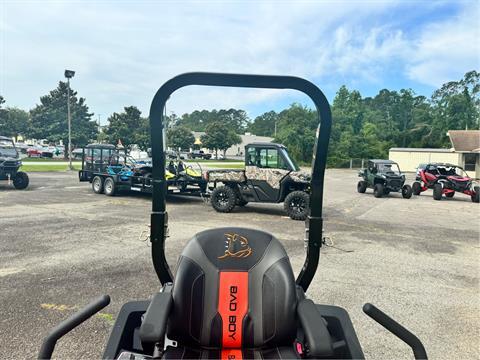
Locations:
(270, 176)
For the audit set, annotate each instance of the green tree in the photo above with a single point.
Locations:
(296, 129)
(14, 122)
(180, 137)
(142, 134)
(49, 119)
(218, 136)
(264, 125)
(199, 120)
(126, 127)
(3, 117)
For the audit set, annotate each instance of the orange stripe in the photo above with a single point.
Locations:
(232, 354)
(232, 306)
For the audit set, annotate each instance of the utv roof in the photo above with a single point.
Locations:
(100, 146)
(380, 161)
(266, 144)
(442, 164)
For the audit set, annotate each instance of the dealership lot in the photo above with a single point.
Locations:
(61, 246)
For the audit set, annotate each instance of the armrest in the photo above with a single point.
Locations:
(154, 323)
(318, 339)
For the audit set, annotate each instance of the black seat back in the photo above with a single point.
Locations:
(233, 288)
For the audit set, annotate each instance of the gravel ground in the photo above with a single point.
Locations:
(61, 246)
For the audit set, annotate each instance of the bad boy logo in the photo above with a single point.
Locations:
(236, 246)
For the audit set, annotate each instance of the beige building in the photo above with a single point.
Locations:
(465, 152)
(235, 150)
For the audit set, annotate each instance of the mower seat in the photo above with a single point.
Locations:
(234, 296)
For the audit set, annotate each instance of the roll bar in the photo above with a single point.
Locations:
(159, 217)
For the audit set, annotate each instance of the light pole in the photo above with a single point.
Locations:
(69, 74)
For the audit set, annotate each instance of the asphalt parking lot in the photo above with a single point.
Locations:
(61, 246)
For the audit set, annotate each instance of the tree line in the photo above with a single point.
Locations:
(363, 127)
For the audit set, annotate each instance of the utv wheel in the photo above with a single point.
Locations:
(416, 188)
(297, 205)
(21, 180)
(476, 197)
(109, 187)
(378, 190)
(437, 191)
(362, 186)
(97, 185)
(450, 194)
(223, 199)
(407, 191)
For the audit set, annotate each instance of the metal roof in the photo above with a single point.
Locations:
(382, 161)
(266, 144)
(422, 150)
(464, 140)
(100, 146)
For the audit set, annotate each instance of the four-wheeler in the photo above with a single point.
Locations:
(270, 176)
(10, 163)
(445, 179)
(185, 176)
(383, 176)
(234, 294)
(110, 170)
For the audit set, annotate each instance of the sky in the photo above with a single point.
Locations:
(123, 51)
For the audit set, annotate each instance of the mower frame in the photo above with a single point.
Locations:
(314, 223)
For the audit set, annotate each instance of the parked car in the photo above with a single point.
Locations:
(39, 152)
(200, 154)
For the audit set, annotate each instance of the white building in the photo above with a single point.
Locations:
(235, 150)
(465, 152)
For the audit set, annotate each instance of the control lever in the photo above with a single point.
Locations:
(69, 324)
(396, 329)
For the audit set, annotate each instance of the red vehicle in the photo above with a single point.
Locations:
(38, 152)
(445, 179)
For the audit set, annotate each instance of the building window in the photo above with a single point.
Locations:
(470, 160)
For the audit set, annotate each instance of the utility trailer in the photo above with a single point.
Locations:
(111, 170)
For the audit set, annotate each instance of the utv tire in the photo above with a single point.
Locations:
(109, 187)
(223, 199)
(297, 205)
(437, 191)
(378, 190)
(416, 188)
(21, 180)
(476, 197)
(450, 194)
(362, 186)
(97, 185)
(407, 191)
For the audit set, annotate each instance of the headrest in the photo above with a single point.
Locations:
(234, 248)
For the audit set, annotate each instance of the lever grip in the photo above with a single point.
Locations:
(396, 329)
(69, 324)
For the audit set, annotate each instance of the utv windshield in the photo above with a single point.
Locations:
(7, 148)
(289, 160)
(389, 169)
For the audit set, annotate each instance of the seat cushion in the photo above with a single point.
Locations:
(233, 288)
(283, 352)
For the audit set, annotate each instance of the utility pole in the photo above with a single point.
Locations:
(69, 74)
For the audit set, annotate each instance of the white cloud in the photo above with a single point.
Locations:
(123, 51)
(444, 51)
